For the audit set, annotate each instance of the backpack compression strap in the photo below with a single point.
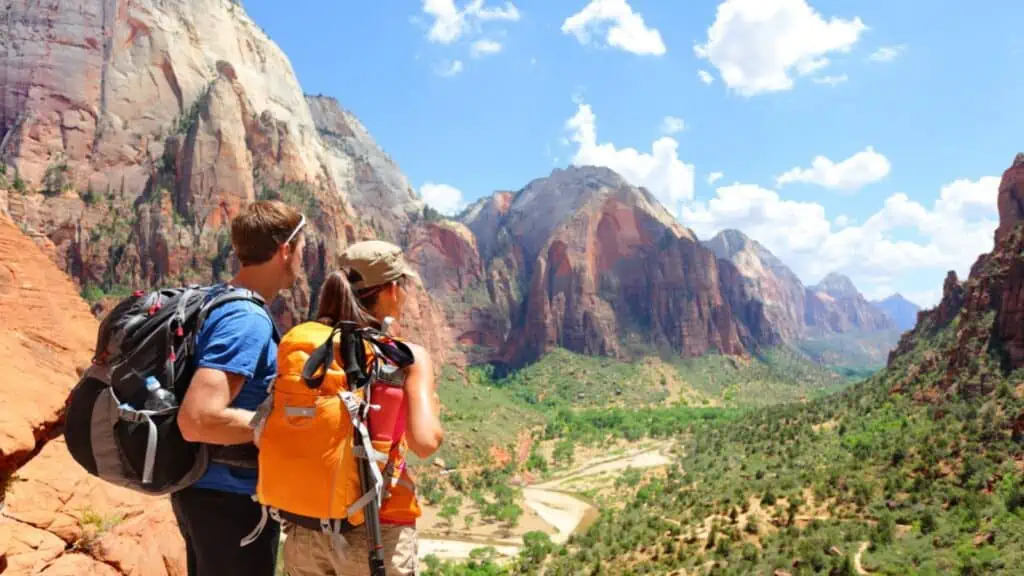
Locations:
(353, 357)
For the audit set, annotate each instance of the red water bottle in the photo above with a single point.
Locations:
(388, 422)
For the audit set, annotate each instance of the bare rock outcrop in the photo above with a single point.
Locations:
(584, 261)
(48, 334)
(380, 192)
(764, 278)
(136, 130)
(1011, 197)
(988, 308)
(836, 305)
(55, 518)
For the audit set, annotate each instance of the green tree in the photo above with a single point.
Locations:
(564, 453)
(536, 547)
(510, 514)
(450, 509)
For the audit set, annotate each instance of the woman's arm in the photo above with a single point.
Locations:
(423, 417)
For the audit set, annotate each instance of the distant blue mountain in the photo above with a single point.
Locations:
(901, 310)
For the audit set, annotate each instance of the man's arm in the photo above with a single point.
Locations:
(204, 415)
(227, 355)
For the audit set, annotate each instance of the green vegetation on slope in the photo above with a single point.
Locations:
(915, 471)
(481, 410)
(934, 488)
(856, 352)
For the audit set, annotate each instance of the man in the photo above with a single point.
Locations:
(236, 361)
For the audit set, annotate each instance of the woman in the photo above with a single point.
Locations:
(371, 287)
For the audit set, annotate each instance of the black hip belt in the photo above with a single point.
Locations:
(340, 526)
(236, 455)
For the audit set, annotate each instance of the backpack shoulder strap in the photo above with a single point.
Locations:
(393, 349)
(232, 294)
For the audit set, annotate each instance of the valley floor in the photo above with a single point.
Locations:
(553, 506)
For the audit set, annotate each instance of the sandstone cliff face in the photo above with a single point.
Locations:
(134, 131)
(97, 81)
(839, 307)
(479, 298)
(380, 192)
(1011, 198)
(831, 321)
(987, 309)
(54, 518)
(584, 261)
(764, 278)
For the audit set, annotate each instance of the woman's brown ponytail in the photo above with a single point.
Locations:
(338, 303)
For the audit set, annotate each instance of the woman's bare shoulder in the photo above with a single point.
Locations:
(421, 356)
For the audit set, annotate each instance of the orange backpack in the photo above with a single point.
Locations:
(312, 429)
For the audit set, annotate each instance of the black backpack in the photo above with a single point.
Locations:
(149, 337)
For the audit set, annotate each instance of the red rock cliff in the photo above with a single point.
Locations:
(988, 307)
(134, 131)
(55, 518)
(584, 261)
(1011, 198)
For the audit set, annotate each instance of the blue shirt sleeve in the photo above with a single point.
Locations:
(233, 339)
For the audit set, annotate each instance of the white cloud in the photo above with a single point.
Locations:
(714, 177)
(759, 45)
(831, 80)
(484, 47)
(857, 171)
(705, 76)
(444, 198)
(924, 298)
(449, 69)
(450, 23)
(672, 125)
(887, 53)
(626, 30)
(661, 171)
(953, 232)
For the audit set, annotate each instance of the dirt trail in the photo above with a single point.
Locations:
(452, 549)
(856, 559)
(552, 502)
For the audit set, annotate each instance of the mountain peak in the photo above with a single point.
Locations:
(728, 242)
(382, 191)
(544, 203)
(902, 311)
(586, 179)
(837, 285)
(895, 297)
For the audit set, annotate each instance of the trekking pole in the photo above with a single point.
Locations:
(357, 377)
(372, 518)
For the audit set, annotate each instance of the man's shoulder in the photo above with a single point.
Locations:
(237, 316)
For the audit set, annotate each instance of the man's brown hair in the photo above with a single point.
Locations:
(260, 229)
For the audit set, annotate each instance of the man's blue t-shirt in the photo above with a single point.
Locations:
(238, 337)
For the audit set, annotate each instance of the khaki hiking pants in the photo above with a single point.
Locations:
(314, 553)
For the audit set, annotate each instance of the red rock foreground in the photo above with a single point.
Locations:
(60, 521)
(54, 518)
(47, 333)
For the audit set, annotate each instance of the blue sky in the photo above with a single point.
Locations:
(914, 105)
